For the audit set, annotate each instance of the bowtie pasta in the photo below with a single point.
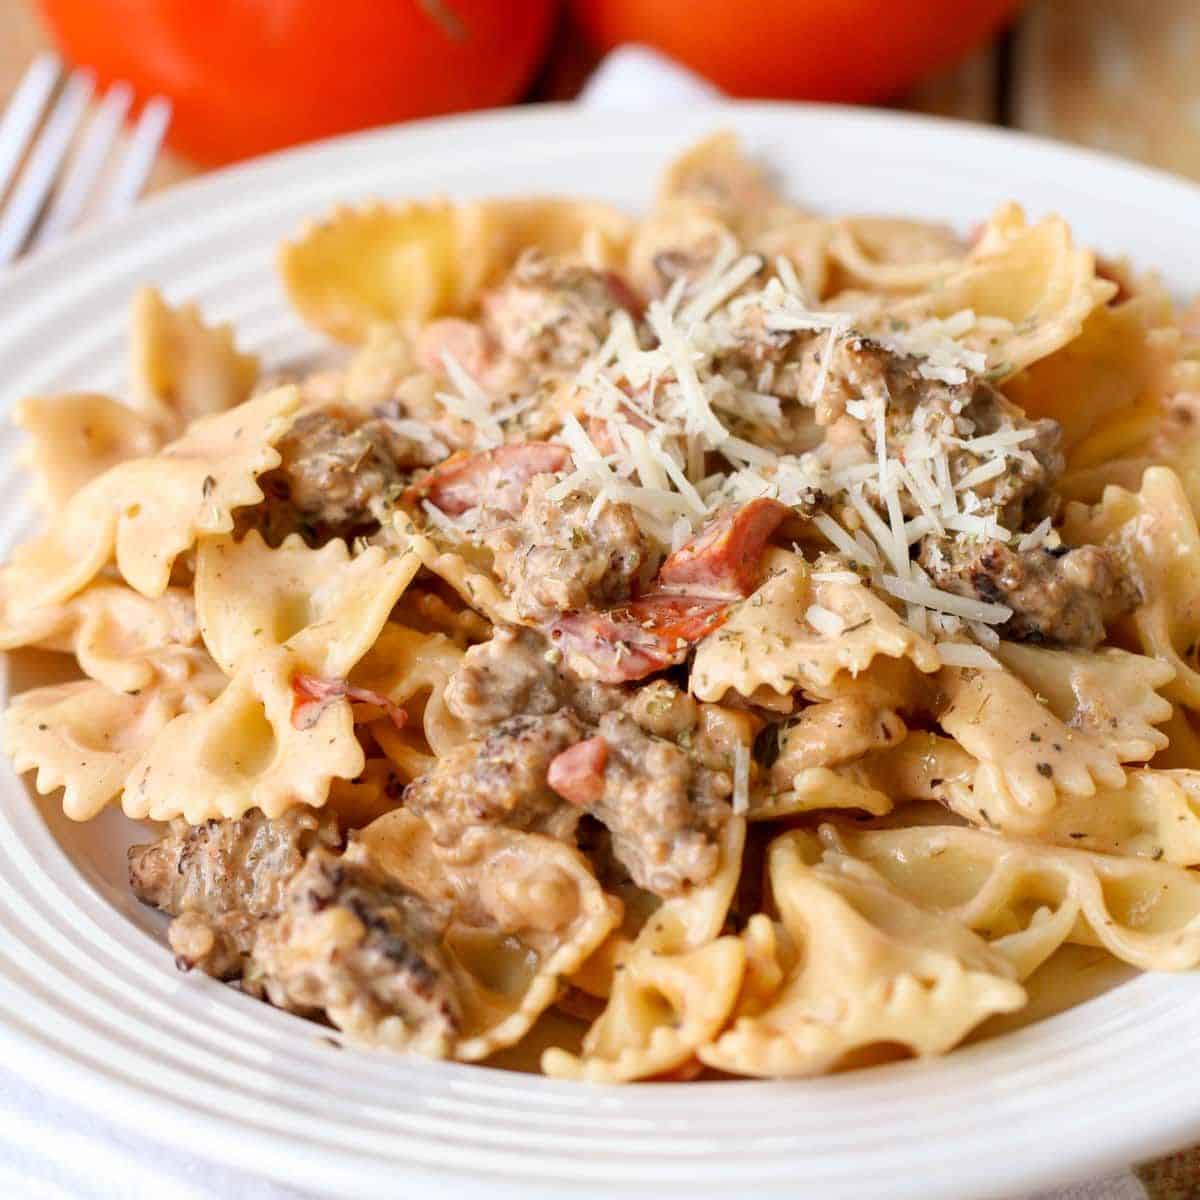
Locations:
(732, 642)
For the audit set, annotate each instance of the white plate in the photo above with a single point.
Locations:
(90, 1003)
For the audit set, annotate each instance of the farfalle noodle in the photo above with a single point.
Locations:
(768, 642)
(676, 985)
(387, 263)
(469, 578)
(250, 595)
(871, 969)
(1028, 899)
(528, 911)
(76, 436)
(117, 635)
(923, 767)
(886, 254)
(1110, 694)
(1154, 529)
(246, 750)
(1029, 286)
(145, 513)
(181, 367)
(1123, 360)
(404, 665)
(1027, 756)
(85, 738)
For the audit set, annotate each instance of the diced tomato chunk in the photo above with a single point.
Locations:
(690, 597)
(464, 481)
(623, 293)
(577, 774)
(723, 558)
(618, 651)
(674, 618)
(633, 641)
(312, 693)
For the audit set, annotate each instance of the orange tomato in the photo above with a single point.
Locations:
(248, 76)
(849, 50)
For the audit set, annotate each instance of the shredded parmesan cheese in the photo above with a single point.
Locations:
(721, 288)
(788, 277)
(439, 518)
(1006, 439)
(825, 621)
(748, 452)
(985, 635)
(982, 473)
(470, 402)
(894, 549)
(844, 542)
(835, 332)
(941, 356)
(700, 417)
(941, 466)
(963, 654)
(1040, 536)
(934, 598)
(834, 577)
(741, 777)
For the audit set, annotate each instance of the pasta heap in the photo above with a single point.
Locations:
(733, 642)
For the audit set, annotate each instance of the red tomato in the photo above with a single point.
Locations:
(248, 76)
(851, 50)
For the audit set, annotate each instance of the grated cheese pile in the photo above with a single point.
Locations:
(653, 419)
(470, 403)
(940, 356)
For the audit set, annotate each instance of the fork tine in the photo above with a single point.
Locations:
(44, 162)
(24, 112)
(139, 158)
(85, 168)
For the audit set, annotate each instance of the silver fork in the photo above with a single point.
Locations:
(52, 154)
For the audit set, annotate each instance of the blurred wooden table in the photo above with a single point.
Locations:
(1119, 75)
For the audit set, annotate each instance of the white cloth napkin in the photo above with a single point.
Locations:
(52, 1150)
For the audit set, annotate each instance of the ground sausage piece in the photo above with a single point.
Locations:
(338, 476)
(662, 808)
(551, 313)
(553, 559)
(364, 951)
(500, 780)
(801, 367)
(1061, 597)
(931, 409)
(334, 470)
(220, 880)
(1023, 494)
(535, 330)
(517, 672)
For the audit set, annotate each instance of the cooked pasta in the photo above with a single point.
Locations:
(761, 643)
